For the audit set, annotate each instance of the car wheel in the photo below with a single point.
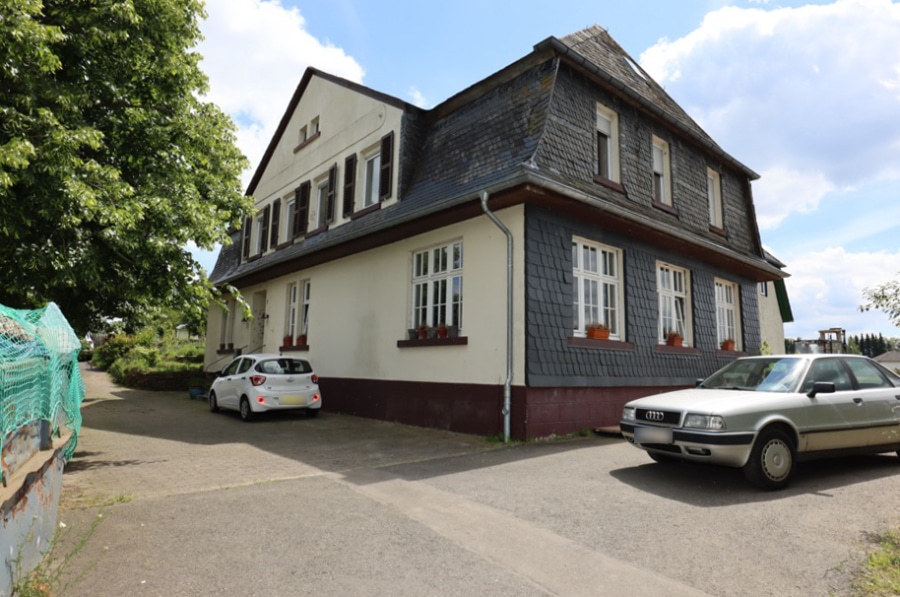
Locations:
(312, 413)
(771, 463)
(213, 403)
(663, 458)
(246, 411)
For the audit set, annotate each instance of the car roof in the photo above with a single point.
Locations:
(262, 356)
(810, 356)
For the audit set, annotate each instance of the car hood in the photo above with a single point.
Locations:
(707, 401)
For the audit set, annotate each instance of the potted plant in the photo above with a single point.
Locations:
(422, 331)
(442, 330)
(287, 340)
(597, 331)
(301, 340)
(673, 338)
(728, 344)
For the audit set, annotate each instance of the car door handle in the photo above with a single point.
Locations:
(858, 400)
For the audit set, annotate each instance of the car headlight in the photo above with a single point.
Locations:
(628, 413)
(711, 422)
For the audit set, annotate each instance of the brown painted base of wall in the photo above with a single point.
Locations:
(476, 409)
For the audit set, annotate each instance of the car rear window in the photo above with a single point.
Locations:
(284, 366)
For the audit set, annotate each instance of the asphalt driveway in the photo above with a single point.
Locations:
(196, 503)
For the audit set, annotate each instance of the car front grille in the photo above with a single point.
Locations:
(658, 417)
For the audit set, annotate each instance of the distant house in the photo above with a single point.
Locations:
(570, 172)
(891, 360)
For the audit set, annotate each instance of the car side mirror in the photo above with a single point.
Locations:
(821, 387)
(697, 382)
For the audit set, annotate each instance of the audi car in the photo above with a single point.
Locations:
(256, 383)
(764, 414)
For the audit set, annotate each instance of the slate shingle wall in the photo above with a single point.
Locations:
(568, 152)
(551, 361)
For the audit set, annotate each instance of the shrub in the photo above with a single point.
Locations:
(112, 350)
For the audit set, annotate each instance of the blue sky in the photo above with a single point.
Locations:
(807, 94)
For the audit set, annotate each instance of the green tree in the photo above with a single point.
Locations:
(110, 161)
(885, 297)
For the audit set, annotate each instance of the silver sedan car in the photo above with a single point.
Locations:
(766, 413)
(255, 383)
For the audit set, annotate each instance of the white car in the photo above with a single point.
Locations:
(255, 383)
(765, 413)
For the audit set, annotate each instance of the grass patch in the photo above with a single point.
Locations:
(880, 574)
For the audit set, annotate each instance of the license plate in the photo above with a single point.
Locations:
(291, 400)
(652, 435)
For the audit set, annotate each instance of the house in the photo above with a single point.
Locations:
(774, 311)
(565, 190)
(891, 360)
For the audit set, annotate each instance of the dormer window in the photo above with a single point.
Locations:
(662, 187)
(607, 144)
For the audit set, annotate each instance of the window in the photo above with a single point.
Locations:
(300, 217)
(867, 375)
(303, 136)
(662, 188)
(262, 231)
(276, 223)
(289, 214)
(322, 204)
(714, 196)
(304, 309)
(248, 227)
(607, 143)
(764, 289)
(226, 334)
(597, 287)
(727, 312)
(290, 328)
(437, 286)
(673, 289)
(349, 185)
(373, 179)
(314, 126)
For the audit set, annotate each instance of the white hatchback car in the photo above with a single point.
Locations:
(254, 383)
(763, 414)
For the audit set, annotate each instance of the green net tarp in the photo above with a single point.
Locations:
(39, 375)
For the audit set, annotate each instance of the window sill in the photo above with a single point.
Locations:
(601, 344)
(308, 141)
(716, 230)
(224, 350)
(295, 348)
(610, 184)
(317, 231)
(365, 211)
(458, 341)
(666, 349)
(669, 209)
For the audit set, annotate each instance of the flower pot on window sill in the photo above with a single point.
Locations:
(674, 340)
(301, 340)
(598, 332)
(728, 345)
(287, 341)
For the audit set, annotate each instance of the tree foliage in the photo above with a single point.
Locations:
(885, 297)
(110, 161)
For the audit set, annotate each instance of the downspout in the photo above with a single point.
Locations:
(507, 385)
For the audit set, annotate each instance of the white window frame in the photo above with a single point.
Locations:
(303, 135)
(714, 197)
(764, 288)
(287, 218)
(321, 202)
(728, 312)
(314, 126)
(437, 286)
(258, 233)
(662, 172)
(372, 172)
(598, 287)
(607, 126)
(290, 328)
(306, 287)
(226, 334)
(673, 289)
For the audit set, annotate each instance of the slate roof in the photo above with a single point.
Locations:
(483, 138)
(889, 357)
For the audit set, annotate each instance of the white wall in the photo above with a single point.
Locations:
(360, 306)
(770, 325)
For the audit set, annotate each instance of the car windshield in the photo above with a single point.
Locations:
(283, 366)
(775, 374)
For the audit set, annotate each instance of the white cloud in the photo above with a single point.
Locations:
(826, 290)
(255, 52)
(808, 92)
(417, 98)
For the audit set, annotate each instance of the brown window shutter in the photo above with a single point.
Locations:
(276, 220)
(385, 184)
(301, 209)
(349, 184)
(264, 232)
(332, 194)
(248, 227)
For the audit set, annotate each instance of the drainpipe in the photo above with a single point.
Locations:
(507, 385)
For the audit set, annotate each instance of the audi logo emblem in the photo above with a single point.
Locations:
(654, 415)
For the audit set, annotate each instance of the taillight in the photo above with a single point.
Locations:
(257, 380)
(316, 398)
(314, 378)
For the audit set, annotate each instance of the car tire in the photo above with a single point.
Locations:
(213, 403)
(772, 460)
(663, 458)
(246, 411)
(312, 413)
